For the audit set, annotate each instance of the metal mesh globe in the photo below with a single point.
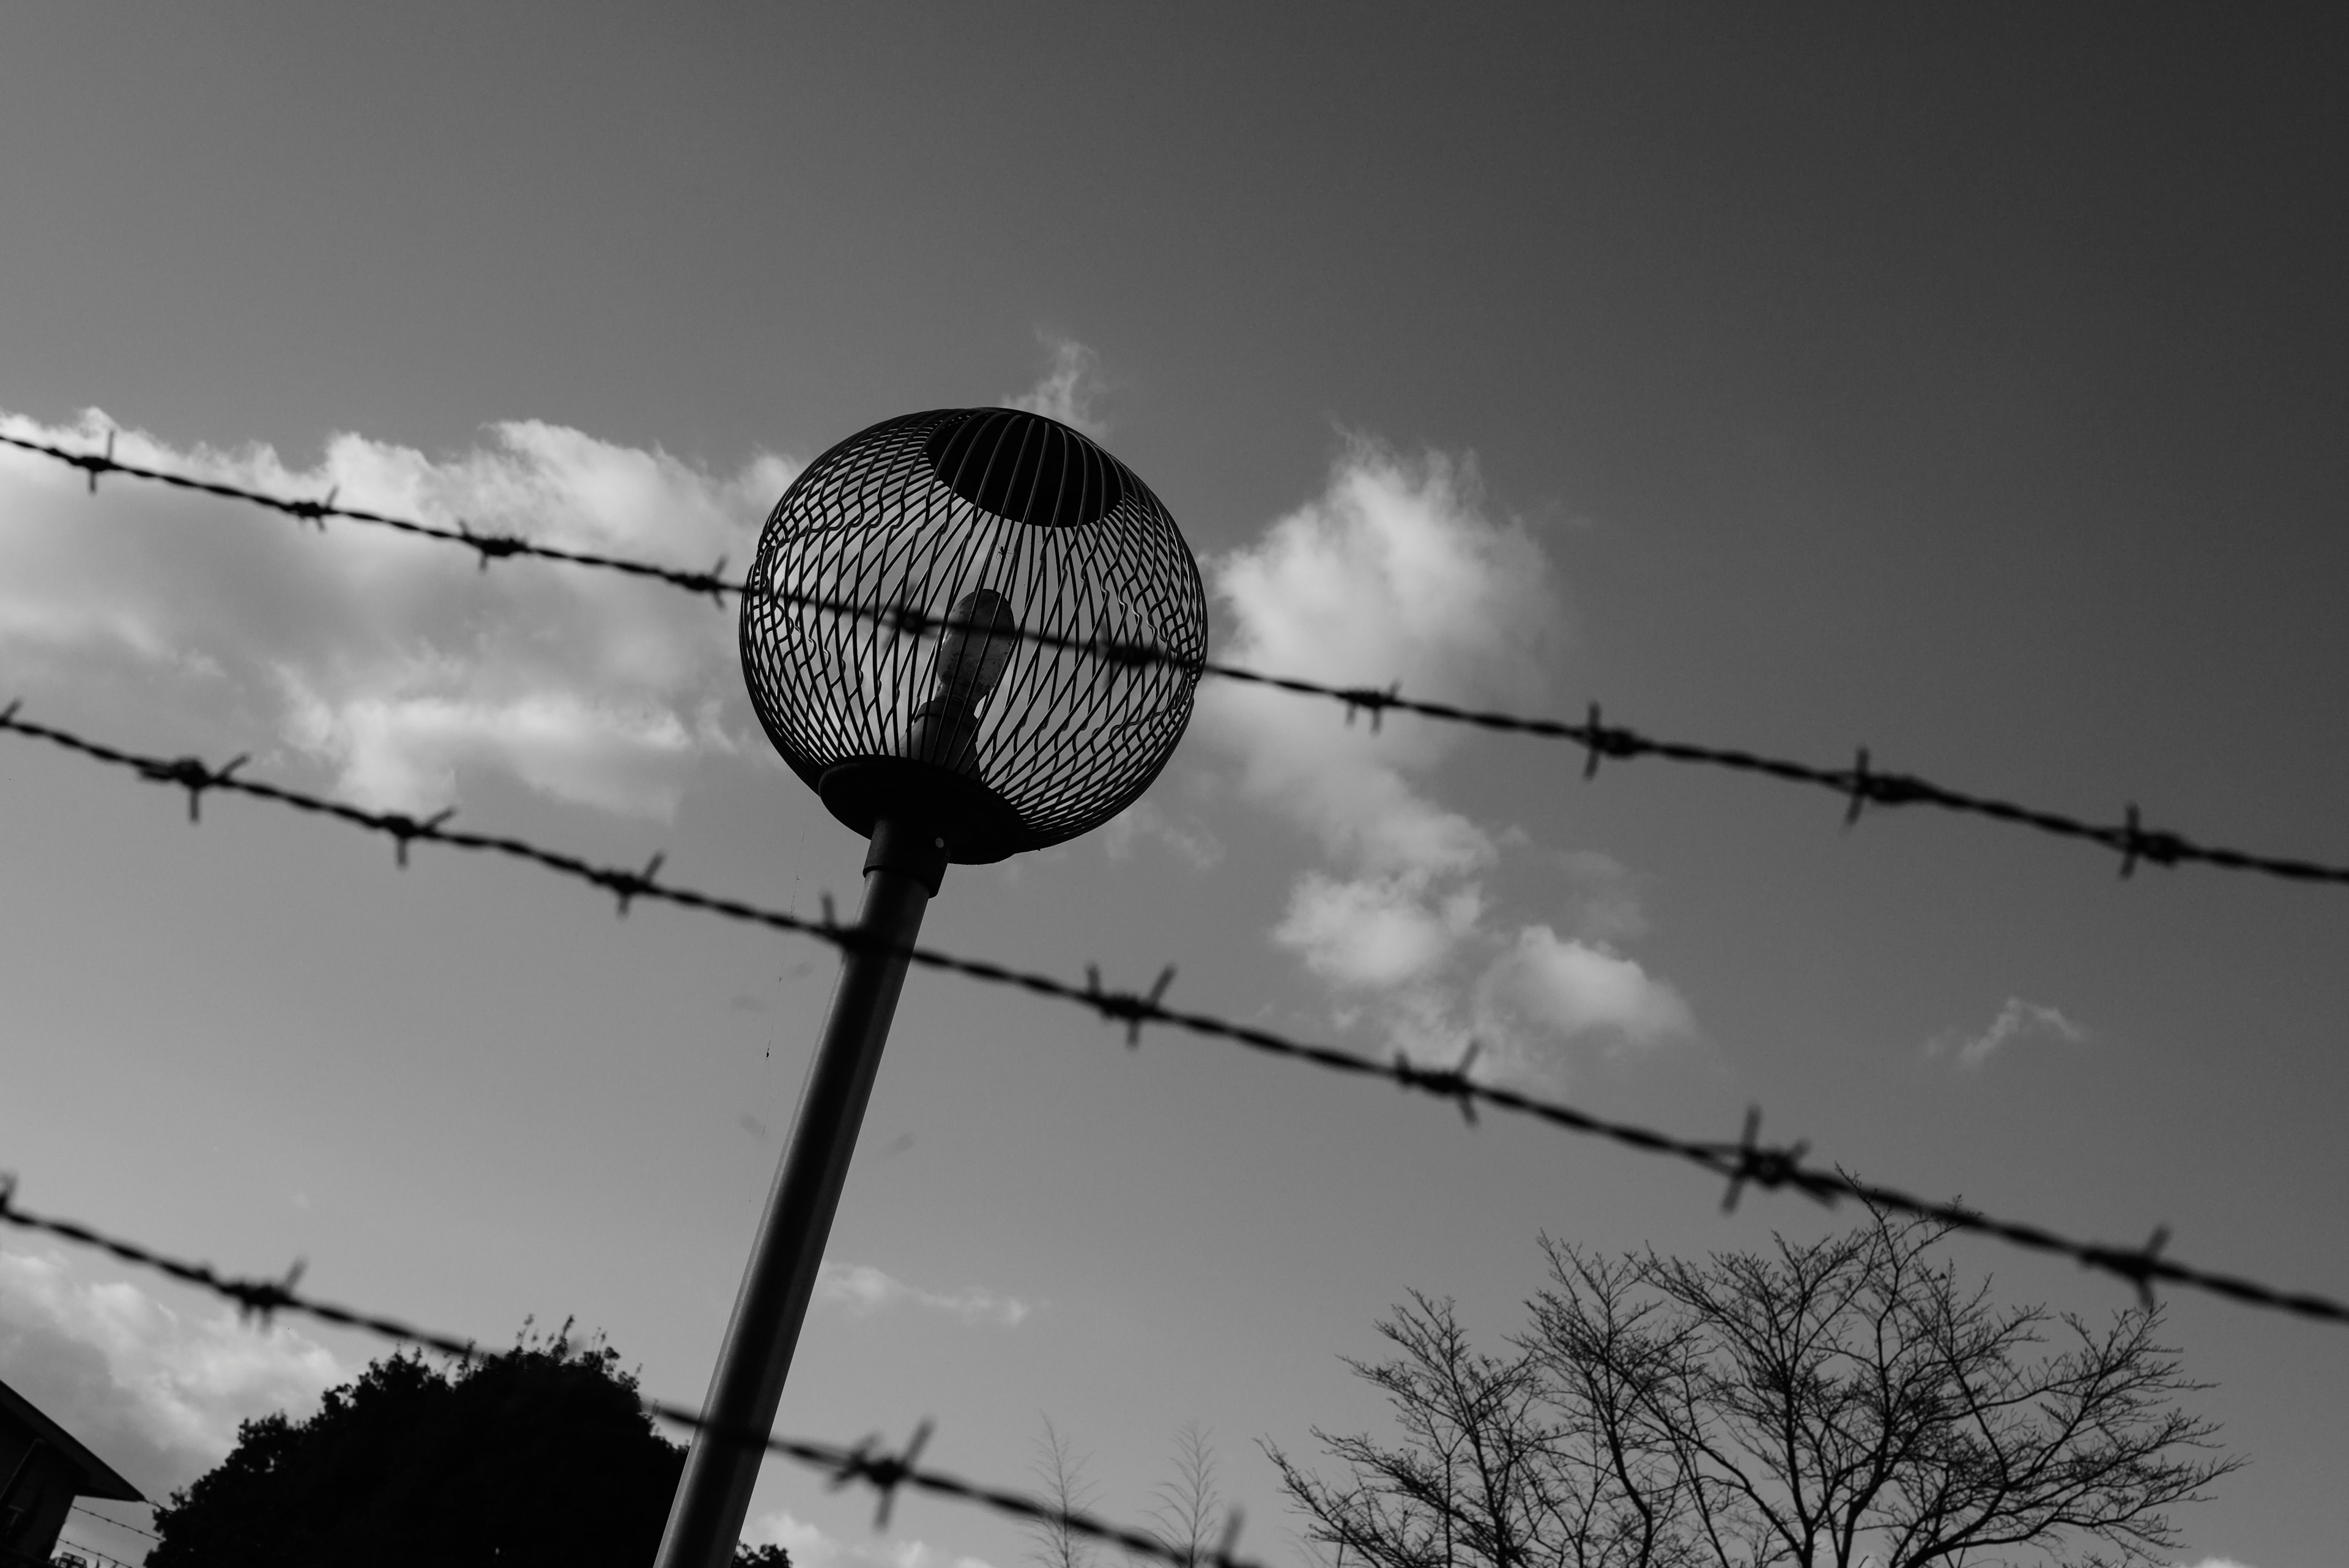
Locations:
(1023, 547)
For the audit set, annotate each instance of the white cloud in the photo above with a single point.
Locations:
(1376, 931)
(402, 747)
(1575, 987)
(863, 1290)
(1069, 389)
(811, 1547)
(1396, 573)
(155, 1393)
(395, 661)
(2018, 1020)
(2219, 1562)
(1144, 821)
(1603, 900)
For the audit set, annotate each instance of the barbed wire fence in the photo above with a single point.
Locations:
(1740, 1163)
(1861, 784)
(870, 1463)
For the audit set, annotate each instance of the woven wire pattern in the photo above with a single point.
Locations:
(879, 529)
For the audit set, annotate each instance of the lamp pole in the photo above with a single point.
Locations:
(902, 871)
(1001, 741)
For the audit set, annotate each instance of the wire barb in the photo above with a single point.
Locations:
(314, 511)
(490, 547)
(404, 828)
(1450, 1082)
(882, 1471)
(712, 582)
(93, 464)
(1770, 1168)
(1372, 700)
(1860, 782)
(262, 1298)
(2138, 1266)
(2152, 846)
(1133, 1009)
(191, 774)
(628, 886)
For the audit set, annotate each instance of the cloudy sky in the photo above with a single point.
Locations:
(1974, 389)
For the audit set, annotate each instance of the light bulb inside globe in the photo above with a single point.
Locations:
(976, 646)
(980, 633)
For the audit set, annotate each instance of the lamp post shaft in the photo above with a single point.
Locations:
(901, 873)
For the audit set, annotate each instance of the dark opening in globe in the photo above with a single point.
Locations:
(1027, 468)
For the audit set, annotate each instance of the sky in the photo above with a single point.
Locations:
(1971, 385)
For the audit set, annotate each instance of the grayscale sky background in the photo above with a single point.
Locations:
(1967, 384)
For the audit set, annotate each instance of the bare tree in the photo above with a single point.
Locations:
(1060, 1472)
(1188, 1506)
(1831, 1403)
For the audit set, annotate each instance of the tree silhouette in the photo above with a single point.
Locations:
(539, 1457)
(1844, 1402)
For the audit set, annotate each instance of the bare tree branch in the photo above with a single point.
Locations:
(1825, 1404)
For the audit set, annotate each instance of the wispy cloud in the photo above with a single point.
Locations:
(1069, 389)
(1397, 573)
(863, 1290)
(396, 663)
(2017, 1020)
(1145, 821)
(155, 1393)
(811, 1547)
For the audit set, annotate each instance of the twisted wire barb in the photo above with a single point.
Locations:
(868, 1463)
(1743, 1163)
(1860, 785)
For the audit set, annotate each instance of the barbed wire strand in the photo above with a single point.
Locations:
(1745, 1162)
(118, 1524)
(488, 548)
(868, 1463)
(1860, 785)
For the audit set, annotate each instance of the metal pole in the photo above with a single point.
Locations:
(901, 872)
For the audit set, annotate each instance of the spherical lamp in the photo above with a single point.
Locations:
(993, 523)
